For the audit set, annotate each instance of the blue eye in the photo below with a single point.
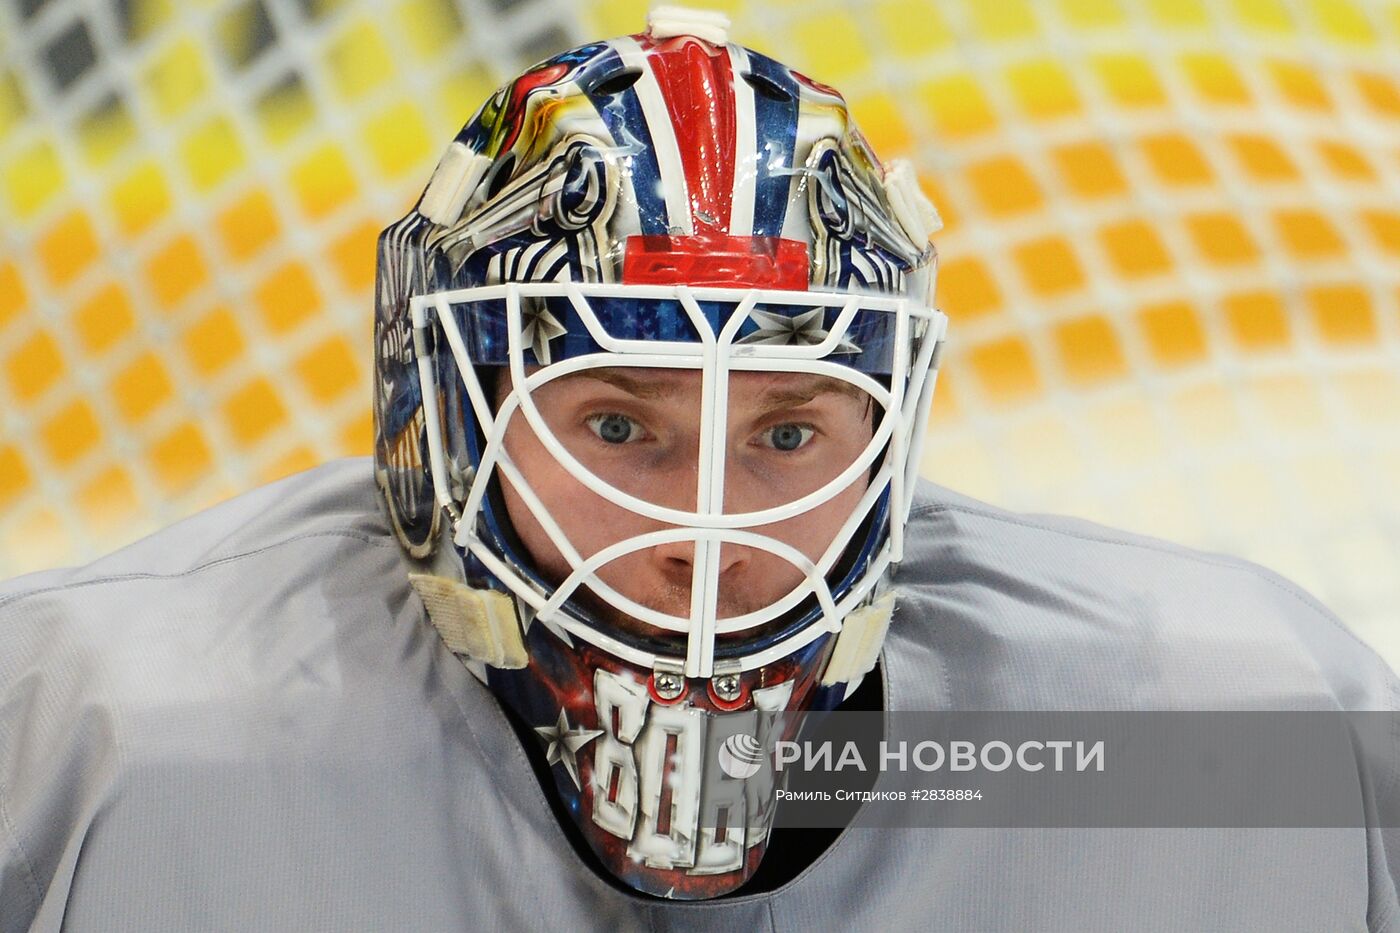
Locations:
(787, 437)
(614, 428)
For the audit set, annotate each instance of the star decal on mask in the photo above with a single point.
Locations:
(526, 613)
(802, 330)
(529, 613)
(540, 327)
(564, 743)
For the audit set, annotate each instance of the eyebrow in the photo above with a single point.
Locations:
(641, 388)
(774, 397)
(792, 396)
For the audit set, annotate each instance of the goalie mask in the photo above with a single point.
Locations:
(654, 355)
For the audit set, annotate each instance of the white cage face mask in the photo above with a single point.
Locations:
(701, 494)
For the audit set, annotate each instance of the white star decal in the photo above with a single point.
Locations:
(564, 743)
(803, 329)
(540, 328)
(526, 613)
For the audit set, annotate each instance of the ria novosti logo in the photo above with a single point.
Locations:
(741, 756)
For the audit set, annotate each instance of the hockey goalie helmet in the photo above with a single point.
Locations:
(670, 215)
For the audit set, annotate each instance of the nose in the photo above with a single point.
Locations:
(675, 561)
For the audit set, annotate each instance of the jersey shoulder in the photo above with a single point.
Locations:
(257, 683)
(289, 538)
(220, 615)
(336, 498)
(1072, 612)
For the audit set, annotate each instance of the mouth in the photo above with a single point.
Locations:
(675, 600)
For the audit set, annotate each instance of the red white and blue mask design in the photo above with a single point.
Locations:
(666, 202)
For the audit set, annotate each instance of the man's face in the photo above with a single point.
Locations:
(639, 430)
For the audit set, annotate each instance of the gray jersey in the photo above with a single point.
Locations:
(246, 722)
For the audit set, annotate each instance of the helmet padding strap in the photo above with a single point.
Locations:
(477, 624)
(858, 645)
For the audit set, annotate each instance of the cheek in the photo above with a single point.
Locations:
(541, 549)
(811, 532)
(588, 521)
(545, 479)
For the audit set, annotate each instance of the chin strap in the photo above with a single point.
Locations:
(477, 624)
(858, 645)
